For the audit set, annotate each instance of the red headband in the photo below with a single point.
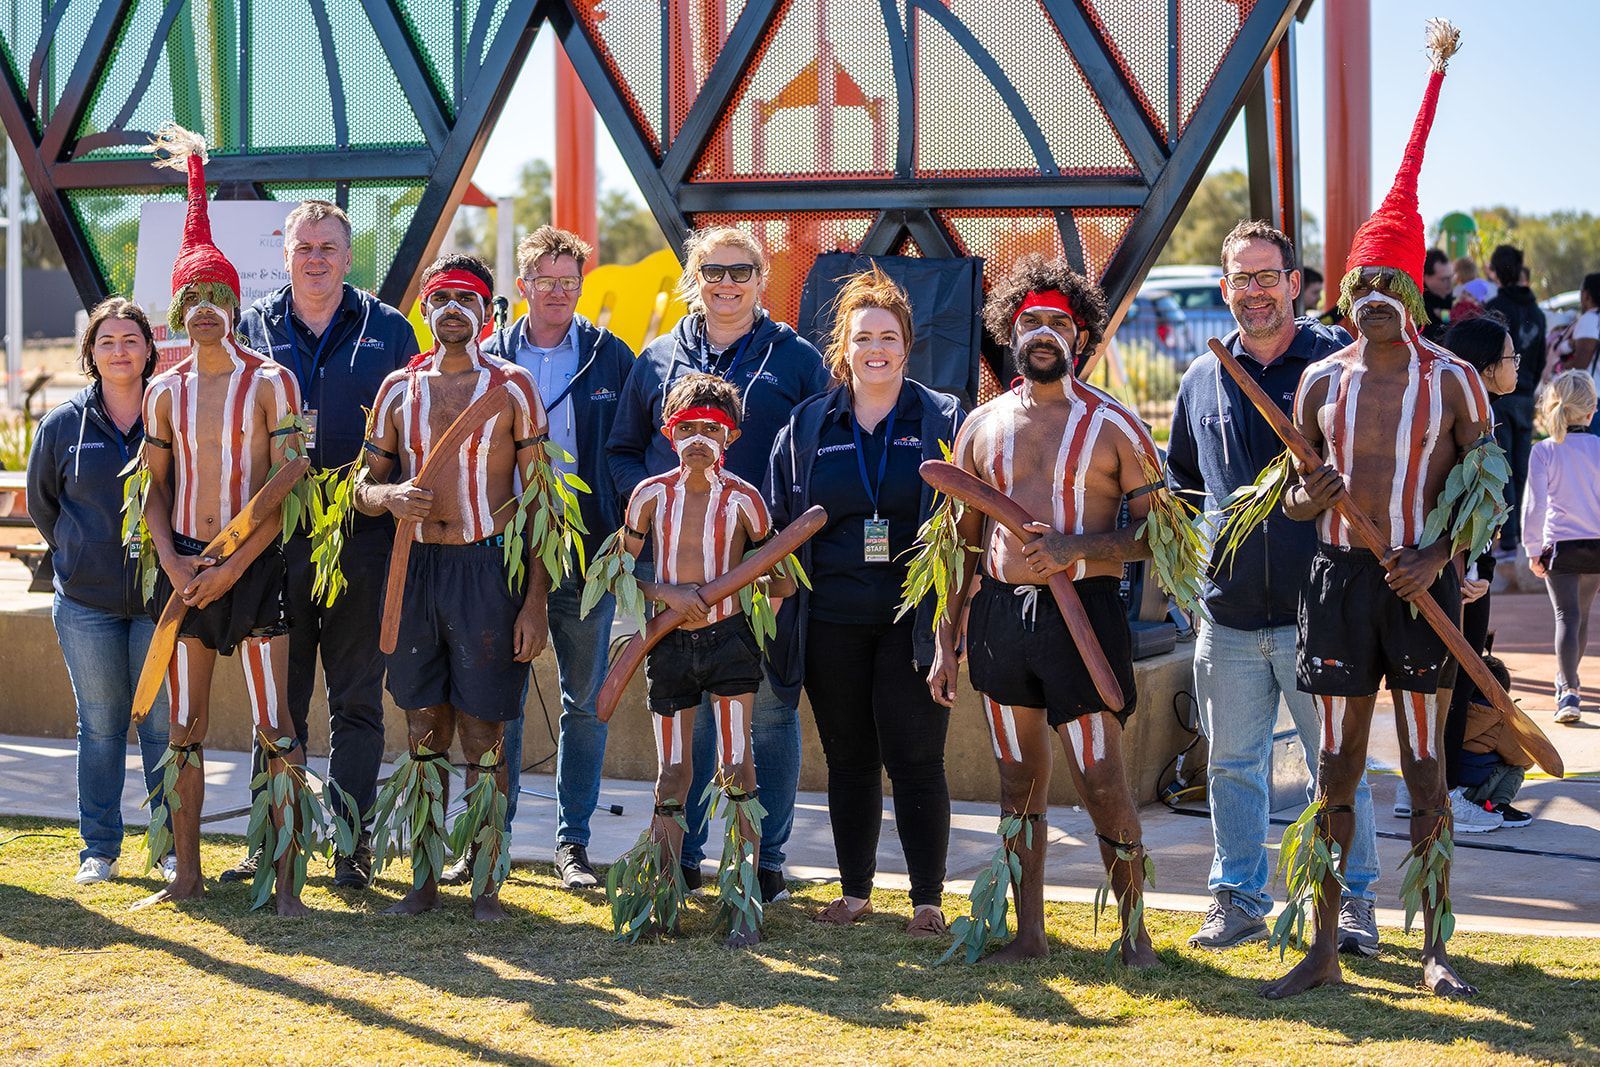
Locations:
(698, 414)
(1054, 299)
(457, 279)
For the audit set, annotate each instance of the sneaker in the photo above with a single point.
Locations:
(1512, 818)
(1402, 800)
(572, 866)
(1567, 705)
(169, 869)
(459, 872)
(1358, 928)
(94, 869)
(1472, 818)
(1226, 924)
(243, 871)
(692, 878)
(773, 887)
(355, 870)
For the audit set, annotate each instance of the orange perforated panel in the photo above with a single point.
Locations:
(1206, 30)
(1135, 36)
(1002, 235)
(1100, 232)
(627, 36)
(792, 241)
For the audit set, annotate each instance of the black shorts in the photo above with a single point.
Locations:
(255, 606)
(1356, 634)
(456, 639)
(721, 659)
(1019, 652)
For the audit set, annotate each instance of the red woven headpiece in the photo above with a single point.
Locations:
(199, 258)
(1394, 235)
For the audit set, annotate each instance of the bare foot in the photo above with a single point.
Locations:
(1018, 950)
(1317, 969)
(1141, 955)
(488, 908)
(742, 939)
(178, 889)
(415, 902)
(291, 907)
(1441, 978)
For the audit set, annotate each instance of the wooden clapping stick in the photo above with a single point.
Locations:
(441, 455)
(957, 484)
(1533, 740)
(742, 574)
(234, 540)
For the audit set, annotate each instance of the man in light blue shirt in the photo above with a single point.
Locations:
(580, 369)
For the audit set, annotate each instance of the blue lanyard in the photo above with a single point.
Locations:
(883, 460)
(740, 350)
(316, 357)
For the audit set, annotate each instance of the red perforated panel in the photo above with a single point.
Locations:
(1002, 236)
(792, 241)
(627, 36)
(1135, 35)
(1100, 232)
(1206, 30)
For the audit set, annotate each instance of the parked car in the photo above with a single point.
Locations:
(1154, 318)
(1205, 313)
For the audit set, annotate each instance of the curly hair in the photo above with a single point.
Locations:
(871, 288)
(703, 391)
(1035, 272)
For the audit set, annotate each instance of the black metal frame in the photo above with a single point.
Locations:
(1167, 169)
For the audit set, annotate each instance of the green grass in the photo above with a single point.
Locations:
(84, 979)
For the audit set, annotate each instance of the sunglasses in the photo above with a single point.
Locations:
(739, 272)
(569, 283)
(1267, 279)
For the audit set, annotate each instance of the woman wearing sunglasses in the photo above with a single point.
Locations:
(727, 333)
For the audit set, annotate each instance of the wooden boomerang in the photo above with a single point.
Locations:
(442, 453)
(957, 484)
(753, 566)
(257, 510)
(1534, 742)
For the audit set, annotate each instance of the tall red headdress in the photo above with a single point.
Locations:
(199, 258)
(1394, 236)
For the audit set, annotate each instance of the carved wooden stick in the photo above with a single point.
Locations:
(742, 574)
(441, 457)
(1533, 740)
(234, 540)
(957, 484)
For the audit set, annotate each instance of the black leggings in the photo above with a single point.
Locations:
(1475, 628)
(874, 713)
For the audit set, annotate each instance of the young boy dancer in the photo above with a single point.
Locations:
(702, 519)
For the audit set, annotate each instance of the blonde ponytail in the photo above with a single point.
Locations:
(1568, 400)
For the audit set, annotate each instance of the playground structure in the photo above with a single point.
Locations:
(922, 127)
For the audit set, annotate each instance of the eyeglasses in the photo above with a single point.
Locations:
(739, 272)
(1267, 279)
(1515, 359)
(570, 283)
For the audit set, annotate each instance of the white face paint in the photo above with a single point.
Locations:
(204, 305)
(1375, 297)
(1023, 340)
(711, 443)
(466, 312)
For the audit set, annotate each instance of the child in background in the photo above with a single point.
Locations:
(1492, 762)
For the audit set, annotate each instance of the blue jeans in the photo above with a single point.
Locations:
(1238, 678)
(580, 646)
(104, 653)
(775, 744)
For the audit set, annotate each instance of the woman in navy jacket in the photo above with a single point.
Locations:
(855, 450)
(75, 498)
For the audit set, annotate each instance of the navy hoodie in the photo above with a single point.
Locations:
(75, 498)
(788, 492)
(604, 363)
(775, 369)
(1221, 443)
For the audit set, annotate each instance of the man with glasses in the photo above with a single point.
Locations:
(1244, 662)
(580, 369)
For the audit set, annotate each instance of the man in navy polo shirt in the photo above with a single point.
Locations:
(340, 343)
(580, 370)
(1244, 658)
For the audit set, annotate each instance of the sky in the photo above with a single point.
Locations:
(1509, 128)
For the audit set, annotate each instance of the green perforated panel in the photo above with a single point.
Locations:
(110, 220)
(379, 214)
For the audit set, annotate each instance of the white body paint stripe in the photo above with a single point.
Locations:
(1002, 730)
(178, 684)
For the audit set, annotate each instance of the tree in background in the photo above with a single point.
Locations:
(628, 232)
(1559, 248)
(1217, 206)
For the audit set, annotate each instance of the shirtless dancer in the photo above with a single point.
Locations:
(703, 519)
(465, 641)
(1393, 414)
(212, 436)
(1063, 450)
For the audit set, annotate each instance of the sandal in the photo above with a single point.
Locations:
(838, 913)
(927, 922)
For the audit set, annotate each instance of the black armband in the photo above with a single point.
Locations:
(284, 431)
(526, 442)
(152, 439)
(631, 532)
(377, 451)
(1486, 439)
(1143, 489)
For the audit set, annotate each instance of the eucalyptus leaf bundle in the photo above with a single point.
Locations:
(1129, 854)
(481, 828)
(645, 887)
(1427, 881)
(158, 838)
(613, 571)
(1472, 506)
(551, 495)
(135, 531)
(739, 907)
(989, 904)
(1248, 506)
(311, 826)
(938, 566)
(415, 795)
(1174, 530)
(1305, 861)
